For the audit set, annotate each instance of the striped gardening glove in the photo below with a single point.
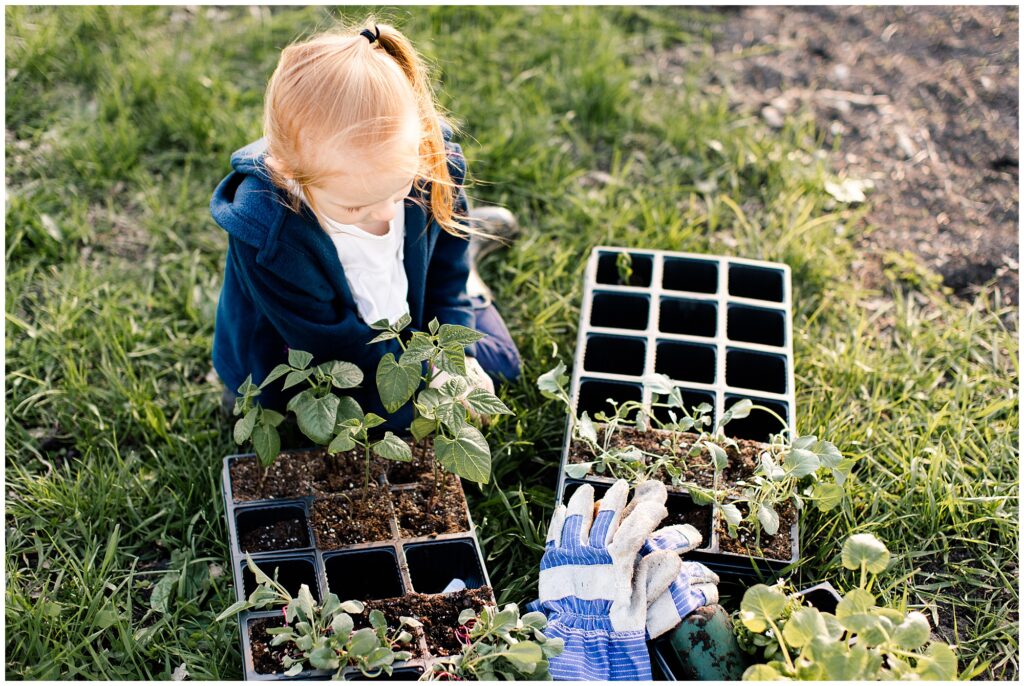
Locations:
(594, 585)
(694, 586)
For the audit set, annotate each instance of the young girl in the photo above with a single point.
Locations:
(349, 210)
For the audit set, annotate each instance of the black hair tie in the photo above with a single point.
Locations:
(369, 35)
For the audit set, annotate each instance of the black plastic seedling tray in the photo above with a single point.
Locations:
(364, 571)
(665, 662)
(719, 327)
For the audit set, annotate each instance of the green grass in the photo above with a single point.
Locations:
(120, 122)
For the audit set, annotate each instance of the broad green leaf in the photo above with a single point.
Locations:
(827, 495)
(343, 442)
(403, 321)
(275, 373)
(330, 605)
(421, 427)
(378, 620)
(413, 622)
(363, 642)
(452, 415)
(586, 428)
(452, 359)
(913, 632)
(741, 409)
(419, 349)
(842, 471)
(380, 325)
(535, 620)
(552, 383)
(353, 607)
(865, 549)
(432, 326)
(317, 416)
(486, 403)
(324, 657)
(827, 453)
(761, 604)
(428, 400)
(372, 420)
(805, 442)
(871, 629)
(456, 387)
(383, 336)
(343, 374)
(771, 470)
(467, 455)
(267, 443)
(396, 383)
(732, 514)
(855, 663)
(800, 463)
(296, 668)
(244, 426)
(452, 334)
(524, 652)
(769, 519)
(718, 455)
(762, 673)
(659, 384)
(299, 359)
(232, 610)
(272, 418)
(391, 447)
(857, 601)
(803, 625)
(296, 377)
(348, 409)
(938, 663)
(578, 470)
(163, 591)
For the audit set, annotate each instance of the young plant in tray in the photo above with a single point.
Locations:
(860, 642)
(447, 402)
(325, 633)
(498, 644)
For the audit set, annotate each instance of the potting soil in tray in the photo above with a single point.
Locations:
(777, 547)
(352, 517)
(438, 613)
(699, 516)
(268, 659)
(299, 474)
(418, 470)
(284, 534)
(447, 516)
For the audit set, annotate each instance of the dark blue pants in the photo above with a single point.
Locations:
(497, 354)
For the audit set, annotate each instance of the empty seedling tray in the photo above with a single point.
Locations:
(719, 327)
(279, 535)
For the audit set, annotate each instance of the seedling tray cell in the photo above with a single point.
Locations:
(393, 567)
(719, 327)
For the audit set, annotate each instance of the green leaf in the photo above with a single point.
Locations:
(391, 447)
(267, 443)
(378, 620)
(160, 598)
(741, 409)
(660, 384)
(244, 426)
(800, 463)
(535, 620)
(865, 549)
(552, 383)
(452, 359)
(403, 321)
(939, 663)
(827, 453)
(363, 642)
(380, 325)
(341, 443)
(343, 374)
(769, 519)
(427, 402)
(296, 377)
(856, 602)
(372, 420)
(913, 632)
(466, 455)
(585, 425)
(296, 668)
(452, 415)
(760, 605)
(718, 455)
(232, 610)
(272, 418)
(433, 326)
(842, 471)
(421, 427)
(578, 470)
(486, 403)
(353, 607)
(324, 657)
(827, 495)
(383, 336)
(317, 416)
(452, 334)
(348, 409)
(275, 373)
(299, 359)
(803, 625)
(396, 383)
(762, 673)
(419, 349)
(524, 653)
(732, 514)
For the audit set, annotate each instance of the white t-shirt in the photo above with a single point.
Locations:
(374, 265)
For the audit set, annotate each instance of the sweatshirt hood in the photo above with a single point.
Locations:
(246, 204)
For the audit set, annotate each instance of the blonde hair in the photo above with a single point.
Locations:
(338, 85)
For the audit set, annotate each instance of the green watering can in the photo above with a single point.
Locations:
(702, 648)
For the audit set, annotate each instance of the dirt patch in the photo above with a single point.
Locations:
(285, 534)
(438, 613)
(447, 516)
(299, 474)
(419, 469)
(921, 101)
(352, 518)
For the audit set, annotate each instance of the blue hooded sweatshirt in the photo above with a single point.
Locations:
(284, 286)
